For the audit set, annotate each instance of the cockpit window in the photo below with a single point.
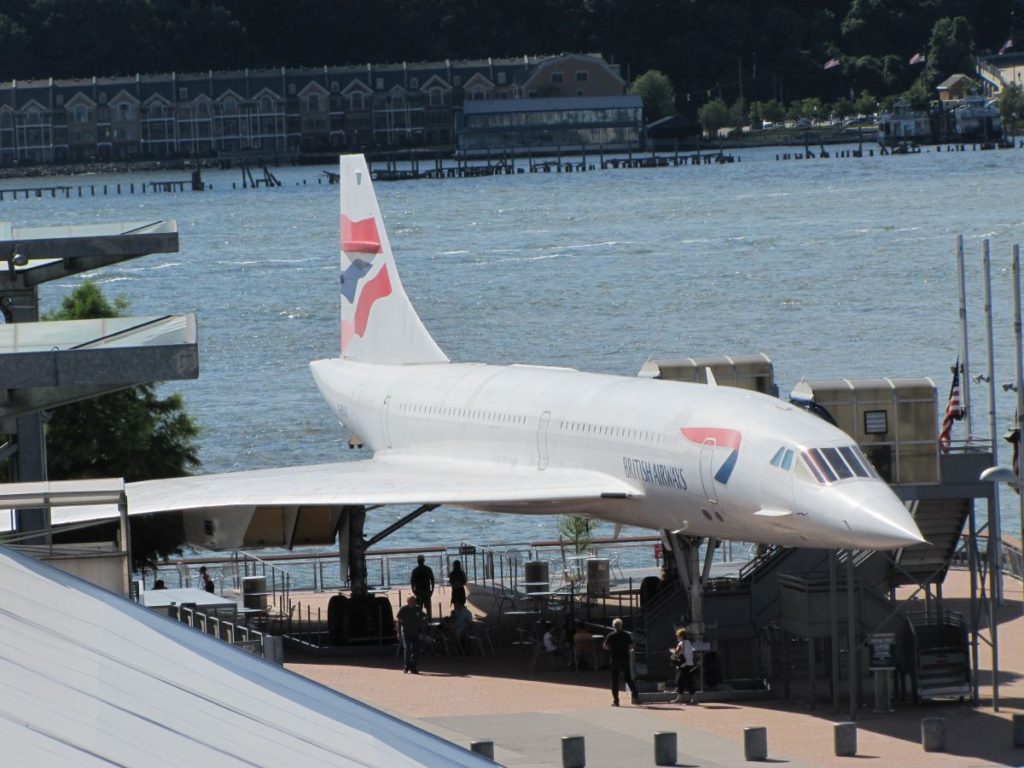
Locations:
(830, 465)
(783, 459)
(836, 462)
(850, 454)
(815, 469)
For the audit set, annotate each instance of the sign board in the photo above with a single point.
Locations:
(882, 651)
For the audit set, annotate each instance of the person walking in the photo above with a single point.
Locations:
(457, 581)
(617, 645)
(682, 658)
(410, 621)
(422, 583)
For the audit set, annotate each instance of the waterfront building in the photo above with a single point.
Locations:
(277, 113)
(903, 125)
(996, 72)
(606, 122)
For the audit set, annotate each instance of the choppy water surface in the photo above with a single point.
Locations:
(834, 268)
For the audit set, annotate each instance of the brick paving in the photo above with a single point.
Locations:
(526, 712)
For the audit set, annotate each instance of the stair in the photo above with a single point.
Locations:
(941, 522)
(940, 656)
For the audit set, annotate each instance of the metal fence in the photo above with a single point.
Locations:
(502, 566)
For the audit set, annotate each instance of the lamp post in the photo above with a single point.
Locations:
(1006, 474)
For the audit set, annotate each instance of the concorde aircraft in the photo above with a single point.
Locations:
(700, 460)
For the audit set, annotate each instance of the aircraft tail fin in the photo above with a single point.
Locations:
(378, 322)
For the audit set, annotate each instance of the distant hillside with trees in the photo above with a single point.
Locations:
(754, 50)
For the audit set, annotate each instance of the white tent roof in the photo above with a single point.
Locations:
(89, 679)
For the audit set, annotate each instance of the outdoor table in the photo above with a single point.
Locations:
(163, 599)
(520, 617)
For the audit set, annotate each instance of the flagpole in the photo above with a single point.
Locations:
(1020, 379)
(965, 382)
(995, 523)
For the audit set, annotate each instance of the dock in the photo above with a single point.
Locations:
(68, 191)
(397, 168)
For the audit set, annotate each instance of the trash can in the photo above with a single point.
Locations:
(254, 592)
(598, 576)
(535, 576)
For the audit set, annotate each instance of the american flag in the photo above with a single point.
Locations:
(954, 410)
(1006, 46)
(917, 58)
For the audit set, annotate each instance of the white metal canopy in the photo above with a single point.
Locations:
(89, 679)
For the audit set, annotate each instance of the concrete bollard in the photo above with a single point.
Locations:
(665, 748)
(845, 739)
(574, 753)
(933, 734)
(1018, 730)
(755, 743)
(485, 748)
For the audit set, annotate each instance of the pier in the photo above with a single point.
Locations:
(67, 191)
(407, 167)
(397, 168)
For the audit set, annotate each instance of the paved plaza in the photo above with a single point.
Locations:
(526, 712)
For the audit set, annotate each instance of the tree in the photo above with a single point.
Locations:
(1011, 107)
(810, 108)
(918, 96)
(756, 115)
(866, 104)
(773, 111)
(132, 434)
(712, 116)
(842, 109)
(738, 112)
(950, 50)
(578, 530)
(657, 93)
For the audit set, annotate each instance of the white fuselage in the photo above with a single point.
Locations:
(627, 428)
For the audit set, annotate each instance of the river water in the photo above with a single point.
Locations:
(834, 267)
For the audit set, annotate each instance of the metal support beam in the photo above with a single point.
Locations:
(833, 615)
(400, 523)
(973, 561)
(709, 558)
(686, 551)
(355, 519)
(851, 633)
(30, 466)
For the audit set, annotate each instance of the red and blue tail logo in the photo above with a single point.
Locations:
(361, 237)
(726, 438)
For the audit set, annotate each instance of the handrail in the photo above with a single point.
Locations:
(280, 578)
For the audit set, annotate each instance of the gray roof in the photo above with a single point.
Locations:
(91, 679)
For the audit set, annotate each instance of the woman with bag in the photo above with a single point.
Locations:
(682, 658)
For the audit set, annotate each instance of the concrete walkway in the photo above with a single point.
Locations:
(526, 713)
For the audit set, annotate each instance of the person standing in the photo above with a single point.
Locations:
(422, 583)
(457, 581)
(682, 657)
(410, 621)
(617, 645)
(205, 581)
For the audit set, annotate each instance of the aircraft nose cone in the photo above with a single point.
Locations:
(884, 523)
